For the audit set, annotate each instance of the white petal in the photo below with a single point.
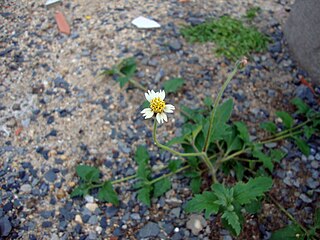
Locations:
(164, 117)
(147, 113)
(148, 97)
(159, 119)
(162, 94)
(169, 108)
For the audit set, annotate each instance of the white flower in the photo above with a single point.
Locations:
(157, 106)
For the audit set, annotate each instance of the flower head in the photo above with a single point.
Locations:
(157, 106)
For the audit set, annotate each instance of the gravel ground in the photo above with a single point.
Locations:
(57, 112)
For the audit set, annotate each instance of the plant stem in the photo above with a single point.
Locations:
(287, 213)
(246, 160)
(138, 85)
(227, 158)
(280, 137)
(215, 106)
(168, 175)
(292, 129)
(123, 179)
(171, 150)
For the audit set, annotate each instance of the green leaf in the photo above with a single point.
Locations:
(243, 131)
(224, 195)
(141, 155)
(161, 187)
(286, 119)
(123, 81)
(173, 85)
(302, 107)
(88, 173)
(145, 104)
(204, 201)
(128, 67)
(266, 160)
(239, 170)
(195, 185)
(219, 127)
(244, 193)
(107, 194)
(80, 191)
(144, 195)
(302, 145)
(269, 126)
(208, 102)
(174, 165)
(277, 155)
(317, 218)
(308, 131)
(290, 232)
(233, 220)
(233, 141)
(254, 207)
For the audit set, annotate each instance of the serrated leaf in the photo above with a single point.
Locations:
(266, 160)
(254, 207)
(302, 145)
(302, 107)
(123, 81)
(219, 127)
(128, 67)
(286, 118)
(208, 102)
(317, 218)
(173, 85)
(80, 191)
(290, 232)
(239, 170)
(196, 130)
(174, 165)
(244, 193)
(269, 126)
(141, 155)
(195, 185)
(143, 172)
(161, 187)
(88, 173)
(243, 131)
(224, 195)
(233, 220)
(107, 194)
(277, 155)
(204, 201)
(233, 141)
(144, 195)
(308, 131)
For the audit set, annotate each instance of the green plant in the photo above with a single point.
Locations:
(212, 146)
(296, 231)
(251, 13)
(232, 38)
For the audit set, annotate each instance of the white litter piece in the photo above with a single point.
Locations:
(50, 3)
(142, 22)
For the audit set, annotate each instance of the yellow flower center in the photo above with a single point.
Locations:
(157, 105)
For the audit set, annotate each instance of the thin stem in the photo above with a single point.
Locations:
(168, 175)
(138, 85)
(171, 150)
(225, 159)
(123, 179)
(280, 137)
(287, 213)
(207, 161)
(291, 129)
(246, 160)
(215, 106)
